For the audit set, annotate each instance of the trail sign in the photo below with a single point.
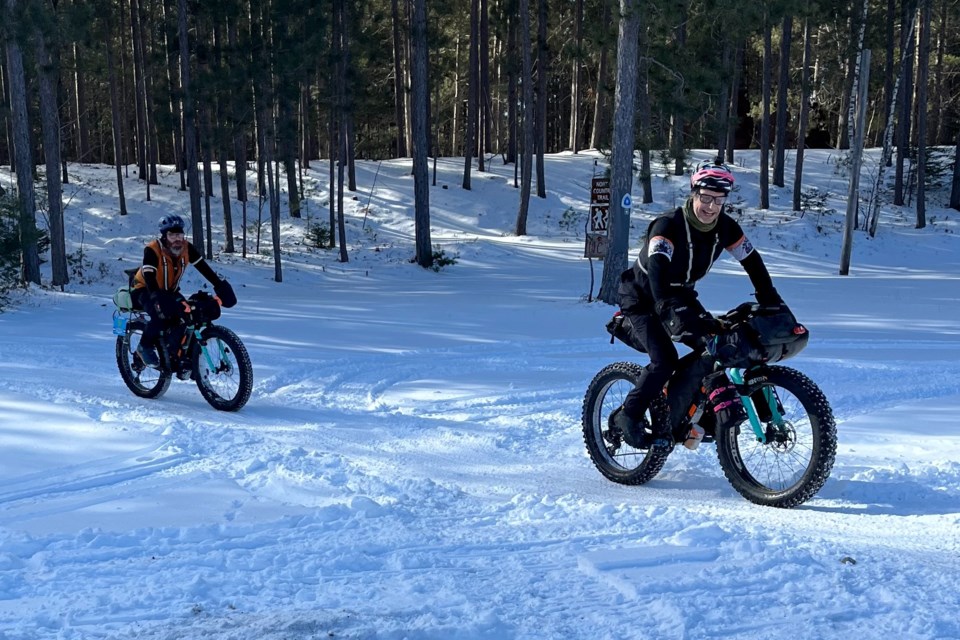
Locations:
(597, 233)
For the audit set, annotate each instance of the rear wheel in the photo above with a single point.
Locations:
(795, 461)
(142, 380)
(613, 457)
(223, 370)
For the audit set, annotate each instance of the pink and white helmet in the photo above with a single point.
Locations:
(712, 175)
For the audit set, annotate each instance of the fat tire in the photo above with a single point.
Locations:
(243, 366)
(597, 407)
(125, 355)
(823, 445)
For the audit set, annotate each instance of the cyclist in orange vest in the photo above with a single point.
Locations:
(157, 283)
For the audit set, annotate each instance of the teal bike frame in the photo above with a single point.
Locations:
(736, 376)
(206, 352)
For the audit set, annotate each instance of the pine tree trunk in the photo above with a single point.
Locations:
(892, 100)
(765, 119)
(419, 98)
(64, 115)
(955, 186)
(332, 128)
(173, 84)
(643, 109)
(456, 111)
(398, 73)
(526, 113)
(543, 70)
(937, 108)
(575, 75)
(349, 106)
(306, 141)
(6, 153)
(80, 94)
(152, 142)
(786, 34)
(726, 61)
(340, 37)
(469, 139)
(905, 103)
(923, 73)
(288, 90)
(48, 70)
(734, 122)
(598, 132)
(115, 117)
(621, 160)
(23, 150)
(236, 105)
(857, 73)
(189, 127)
(206, 147)
(804, 114)
(844, 123)
(677, 143)
(856, 153)
(889, 68)
(512, 115)
(221, 100)
(126, 73)
(486, 117)
(140, 89)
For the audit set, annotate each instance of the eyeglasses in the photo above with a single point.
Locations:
(707, 199)
(175, 236)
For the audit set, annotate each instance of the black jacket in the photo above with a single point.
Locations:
(674, 256)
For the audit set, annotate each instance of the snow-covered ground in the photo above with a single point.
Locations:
(410, 464)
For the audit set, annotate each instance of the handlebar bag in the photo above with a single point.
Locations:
(778, 334)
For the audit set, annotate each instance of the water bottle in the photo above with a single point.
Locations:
(119, 324)
(694, 437)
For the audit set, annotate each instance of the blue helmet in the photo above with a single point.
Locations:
(171, 222)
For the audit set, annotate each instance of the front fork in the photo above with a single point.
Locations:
(222, 356)
(736, 376)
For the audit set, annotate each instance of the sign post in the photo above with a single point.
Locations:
(598, 229)
(598, 226)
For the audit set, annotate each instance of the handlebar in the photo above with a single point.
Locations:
(747, 310)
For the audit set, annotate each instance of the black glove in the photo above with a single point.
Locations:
(225, 292)
(769, 298)
(165, 305)
(686, 320)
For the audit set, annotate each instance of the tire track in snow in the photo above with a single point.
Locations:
(83, 485)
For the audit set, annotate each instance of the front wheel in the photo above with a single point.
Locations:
(613, 457)
(795, 461)
(142, 380)
(222, 368)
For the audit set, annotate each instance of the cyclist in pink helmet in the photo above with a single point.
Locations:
(658, 298)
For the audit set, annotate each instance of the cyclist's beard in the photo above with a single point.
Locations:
(175, 248)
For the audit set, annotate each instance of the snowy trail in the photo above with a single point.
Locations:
(411, 465)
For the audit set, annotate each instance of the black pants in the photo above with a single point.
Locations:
(663, 361)
(141, 300)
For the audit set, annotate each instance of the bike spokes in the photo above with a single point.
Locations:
(222, 368)
(793, 458)
(142, 380)
(612, 456)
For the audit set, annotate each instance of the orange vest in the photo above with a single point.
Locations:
(169, 271)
